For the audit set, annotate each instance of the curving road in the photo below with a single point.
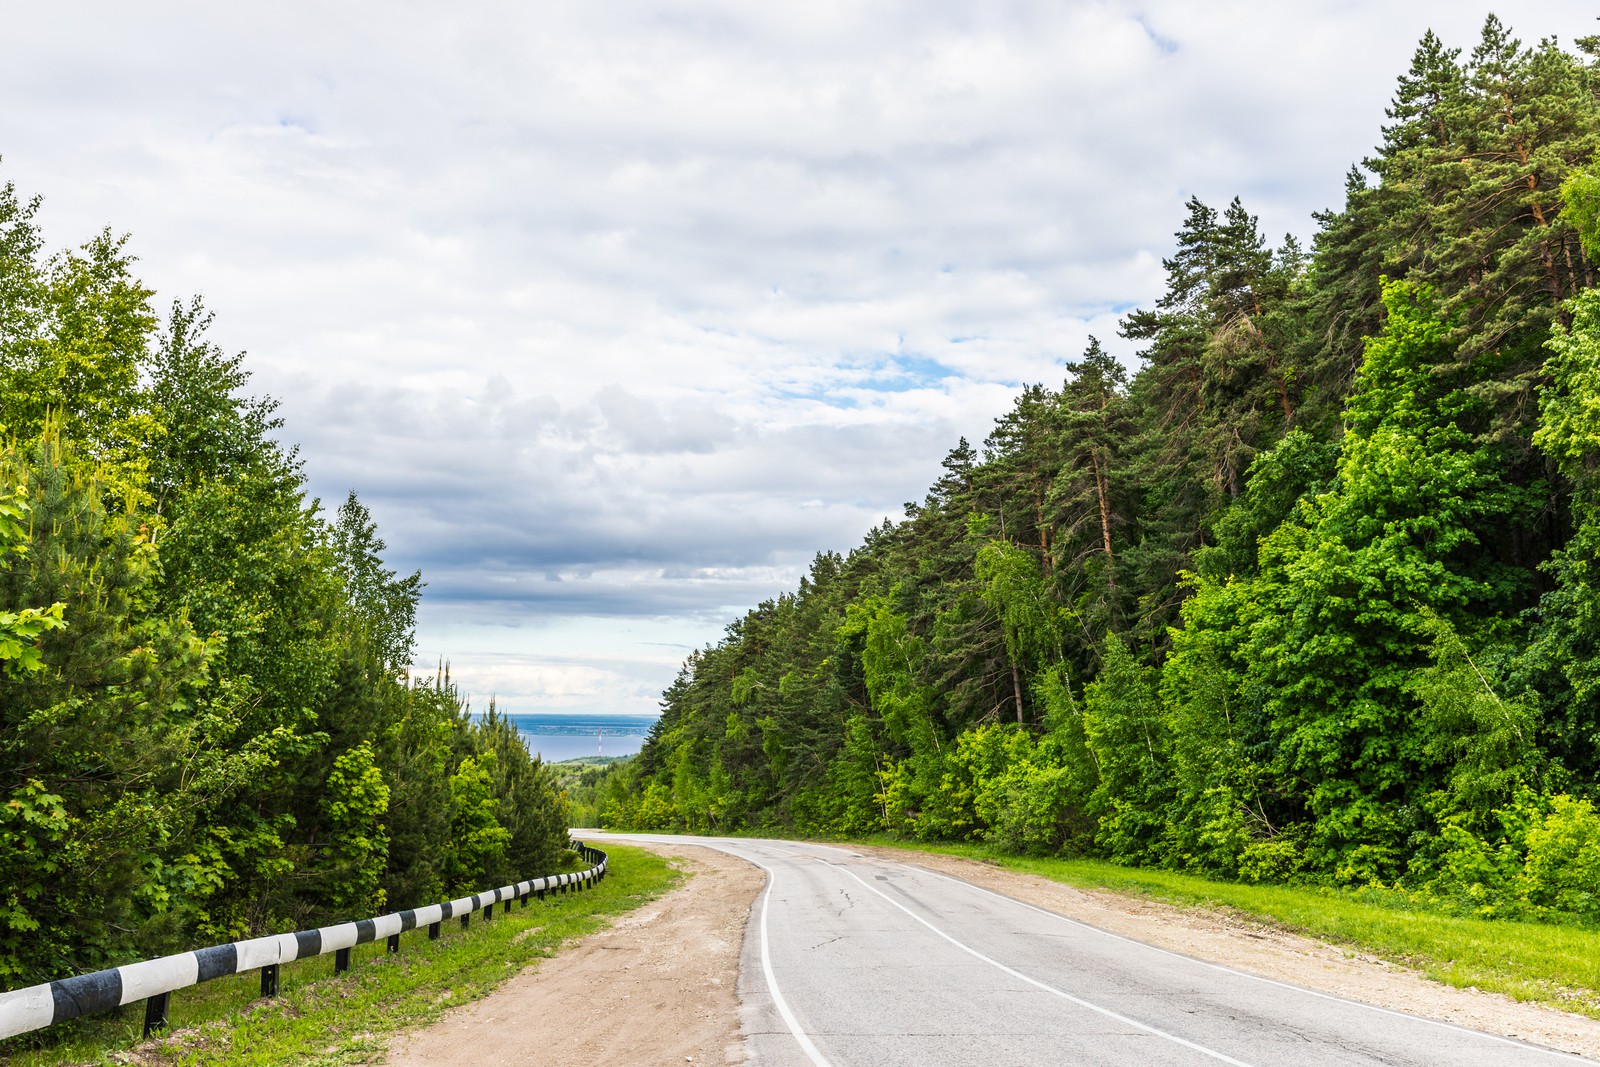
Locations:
(854, 960)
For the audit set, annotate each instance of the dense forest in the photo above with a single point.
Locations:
(1306, 598)
(207, 725)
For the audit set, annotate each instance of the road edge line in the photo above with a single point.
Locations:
(1238, 972)
(1063, 994)
(782, 1005)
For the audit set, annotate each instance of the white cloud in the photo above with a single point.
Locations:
(619, 312)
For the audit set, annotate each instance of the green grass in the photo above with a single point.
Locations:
(323, 1020)
(1554, 965)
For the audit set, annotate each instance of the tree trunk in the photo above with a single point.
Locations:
(1102, 490)
(1044, 530)
(1016, 688)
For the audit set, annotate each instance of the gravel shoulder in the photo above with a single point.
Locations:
(659, 986)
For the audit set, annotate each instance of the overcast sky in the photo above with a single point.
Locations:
(615, 314)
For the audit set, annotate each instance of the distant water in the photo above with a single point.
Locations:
(557, 735)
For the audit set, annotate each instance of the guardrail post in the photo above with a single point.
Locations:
(100, 991)
(155, 1013)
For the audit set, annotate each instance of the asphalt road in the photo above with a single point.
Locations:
(854, 960)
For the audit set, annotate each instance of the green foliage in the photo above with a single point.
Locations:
(421, 751)
(21, 629)
(19, 634)
(1356, 582)
(382, 605)
(1031, 795)
(478, 843)
(531, 806)
(593, 785)
(35, 829)
(1299, 467)
(1469, 202)
(1231, 814)
(1124, 729)
(1562, 871)
(355, 799)
(1488, 743)
(856, 781)
(99, 725)
(1540, 860)
(1562, 658)
(1308, 597)
(206, 727)
(1580, 199)
(1033, 622)
(1569, 410)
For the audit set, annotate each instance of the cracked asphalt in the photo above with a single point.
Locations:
(858, 960)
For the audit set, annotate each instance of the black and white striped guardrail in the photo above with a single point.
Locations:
(153, 981)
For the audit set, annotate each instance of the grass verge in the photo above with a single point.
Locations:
(322, 1020)
(1554, 965)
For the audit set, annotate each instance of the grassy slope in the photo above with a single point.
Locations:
(1556, 965)
(319, 1019)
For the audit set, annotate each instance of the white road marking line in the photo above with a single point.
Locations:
(806, 1045)
(1157, 1031)
(1246, 974)
(1224, 968)
(772, 982)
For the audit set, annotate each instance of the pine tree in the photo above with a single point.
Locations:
(1090, 498)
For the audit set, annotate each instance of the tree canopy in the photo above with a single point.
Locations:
(1309, 595)
(208, 725)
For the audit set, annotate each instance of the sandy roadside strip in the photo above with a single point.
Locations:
(659, 985)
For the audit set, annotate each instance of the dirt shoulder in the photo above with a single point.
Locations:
(1261, 949)
(657, 986)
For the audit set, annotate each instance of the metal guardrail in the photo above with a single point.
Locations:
(153, 981)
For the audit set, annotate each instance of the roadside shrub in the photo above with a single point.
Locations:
(1562, 871)
(1035, 809)
(652, 811)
